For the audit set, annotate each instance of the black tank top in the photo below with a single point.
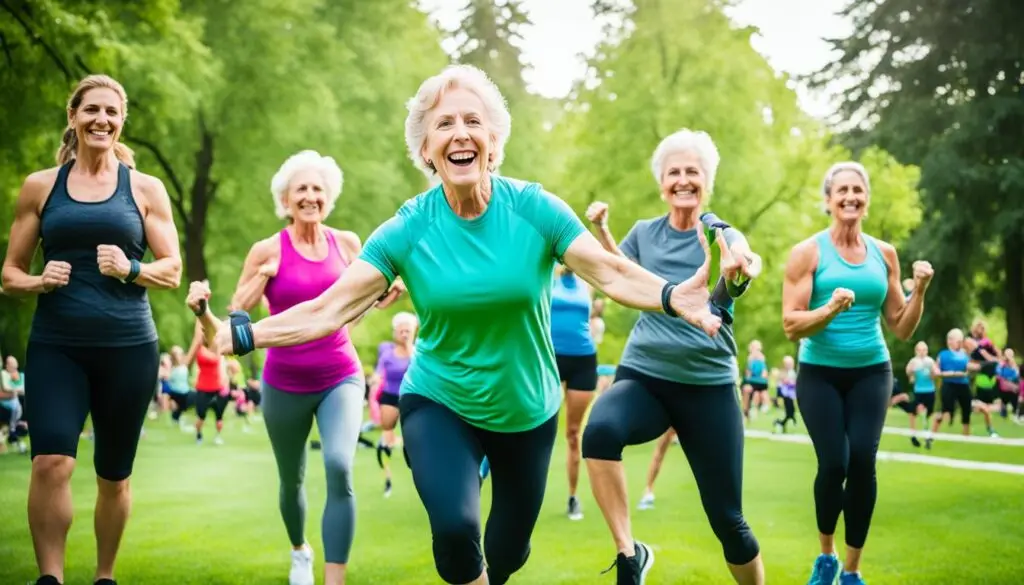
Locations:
(93, 309)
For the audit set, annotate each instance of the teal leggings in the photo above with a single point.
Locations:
(289, 419)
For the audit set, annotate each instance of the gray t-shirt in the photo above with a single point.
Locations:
(666, 347)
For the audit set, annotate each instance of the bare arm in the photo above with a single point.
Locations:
(607, 240)
(901, 315)
(253, 280)
(164, 272)
(24, 237)
(356, 291)
(797, 320)
(612, 273)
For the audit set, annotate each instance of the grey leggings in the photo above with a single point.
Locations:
(289, 418)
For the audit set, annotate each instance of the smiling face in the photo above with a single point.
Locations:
(306, 197)
(458, 143)
(847, 199)
(921, 349)
(683, 181)
(98, 119)
(954, 339)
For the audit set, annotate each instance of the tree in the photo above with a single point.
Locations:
(939, 85)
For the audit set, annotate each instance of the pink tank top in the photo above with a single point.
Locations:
(320, 364)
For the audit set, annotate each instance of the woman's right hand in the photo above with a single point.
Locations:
(198, 296)
(597, 213)
(55, 274)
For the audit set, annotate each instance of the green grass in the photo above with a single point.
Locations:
(208, 515)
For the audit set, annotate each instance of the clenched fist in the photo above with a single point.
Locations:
(597, 213)
(198, 296)
(923, 273)
(842, 299)
(55, 274)
(112, 261)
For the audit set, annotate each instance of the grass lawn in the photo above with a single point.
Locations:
(208, 515)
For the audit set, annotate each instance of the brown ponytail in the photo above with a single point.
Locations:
(69, 143)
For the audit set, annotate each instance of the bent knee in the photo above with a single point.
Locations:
(53, 469)
(738, 542)
(602, 439)
(457, 554)
(339, 475)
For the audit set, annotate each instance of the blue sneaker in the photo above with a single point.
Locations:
(826, 570)
(851, 579)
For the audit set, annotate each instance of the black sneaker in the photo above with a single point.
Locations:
(47, 580)
(633, 570)
(105, 582)
(575, 510)
(915, 442)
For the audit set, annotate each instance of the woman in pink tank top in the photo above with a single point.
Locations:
(319, 380)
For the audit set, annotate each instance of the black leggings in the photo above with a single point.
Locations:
(444, 452)
(65, 384)
(844, 411)
(205, 400)
(955, 394)
(707, 419)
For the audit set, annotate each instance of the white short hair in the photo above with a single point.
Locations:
(830, 175)
(499, 120)
(306, 160)
(404, 318)
(686, 140)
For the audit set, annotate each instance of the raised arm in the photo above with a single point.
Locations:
(597, 213)
(631, 285)
(161, 234)
(359, 287)
(798, 321)
(24, 238)
(259, 267)
(902, 315)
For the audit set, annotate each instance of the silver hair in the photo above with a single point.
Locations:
(830, 175)
(404, 317)
(307, 160)
(499, 120)
(686, 140)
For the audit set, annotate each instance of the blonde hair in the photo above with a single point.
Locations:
(329, 171)
(499, 120)
(404, 318)
(69, 142)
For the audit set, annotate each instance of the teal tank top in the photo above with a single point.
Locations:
(854, 338)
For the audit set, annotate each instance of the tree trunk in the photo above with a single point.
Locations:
(202, 193)
(1013, 243)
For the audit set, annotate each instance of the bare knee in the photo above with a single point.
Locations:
(572, 437)
(52, 470)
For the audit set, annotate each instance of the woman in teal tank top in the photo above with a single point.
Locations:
(839, 286)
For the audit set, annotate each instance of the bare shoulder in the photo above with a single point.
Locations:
(37, 188)
(348, 240)
(147, 185)
(888, 251)
(266, 249)
(804, 255)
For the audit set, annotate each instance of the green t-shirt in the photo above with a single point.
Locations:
(482, 289)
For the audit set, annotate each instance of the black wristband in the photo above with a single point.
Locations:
(242, 341)
(666, 299)
(134, 270)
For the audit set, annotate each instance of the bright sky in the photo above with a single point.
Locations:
(790, 39)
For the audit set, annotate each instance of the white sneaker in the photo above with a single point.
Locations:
(302, 567)
(646, 502)
(218, 441)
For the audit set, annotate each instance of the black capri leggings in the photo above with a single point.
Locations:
(953, 394)
(707, 419)
(64, 384)
(205, 400)
(444, 452)
(844, 411)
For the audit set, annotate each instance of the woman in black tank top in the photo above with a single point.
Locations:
(93, 345)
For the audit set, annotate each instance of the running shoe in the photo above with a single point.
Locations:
(301, 572)
(633, 570)
(851, 579)
(575, 510)
(646, 502)
(826, 570)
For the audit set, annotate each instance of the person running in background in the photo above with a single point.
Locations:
(654, 468)
(787, 393)
(921, 372)
(755, 381)
(1010, 385)
(985, 356)
(955, 366)
(211, 386)
(178, 385)
(14, 384)
(392, 363)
